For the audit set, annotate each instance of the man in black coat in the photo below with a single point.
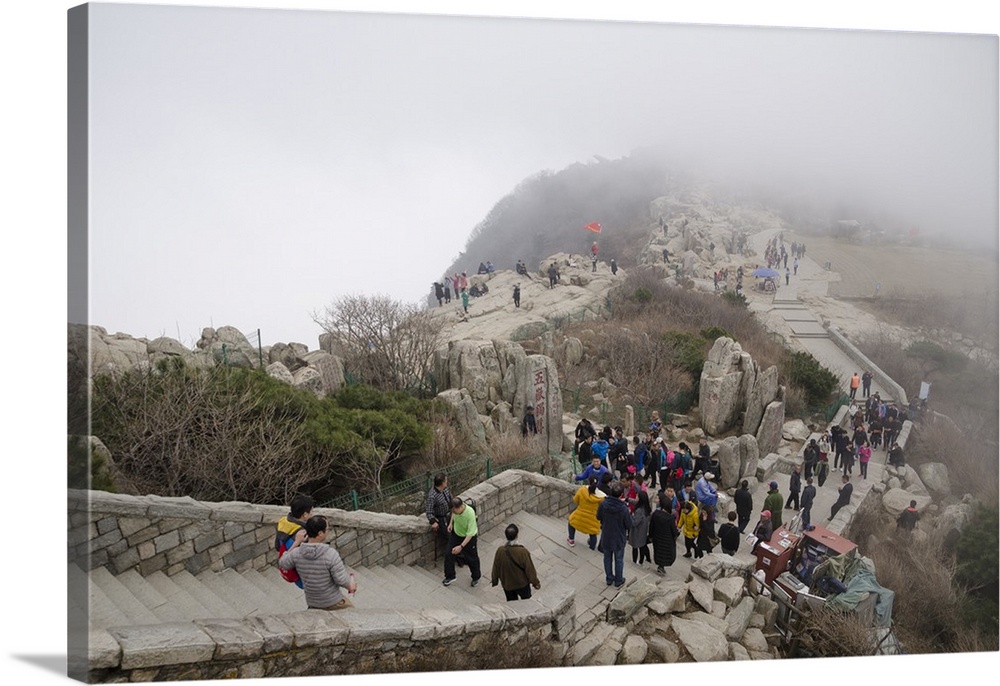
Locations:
(663, 532)
(794, 486)
(616, 522)
(810, 456)
(528, 425)
(808, 496)
(744, 505)
(843, 498)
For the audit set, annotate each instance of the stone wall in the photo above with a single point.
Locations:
(315, 642)
(883, 379)
(152, 533)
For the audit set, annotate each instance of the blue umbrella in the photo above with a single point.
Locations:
(765, 272)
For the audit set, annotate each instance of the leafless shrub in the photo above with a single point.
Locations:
(830, 633)
(510, 447)
(387, 343)
(207, 434)
(448, 446)
(926, 609)
(643, 363)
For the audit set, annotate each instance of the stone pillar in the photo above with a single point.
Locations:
(629, 426)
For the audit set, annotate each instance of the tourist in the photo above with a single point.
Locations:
(600, 448)
(794, 486)
(638, 536)
(788, 272)
(595, 469)
(553, 275)
(729, 535)
(614, 267)
(690, 525)
(744, 504)
(616, 522)
(584, 429)
(299, 510)
(706, 491)
(465, 301)
(864, 455)
(447, 289)
(795, 266)
(663, 532)
(773, 503)
(438, 508)
(907, 519)
(866, 383)
(896, 458)
(319, 566)
(706, 532)
(517, 295)
(584, 453)
(822, 469)
(513, 568)
(763, 531)
(462, 541)
(810, 457)
(584, 517)
(855, 382)
(843, 497)
(528, 424)
(808, 497)
(439, 293)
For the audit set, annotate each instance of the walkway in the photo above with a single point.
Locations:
(784, 313)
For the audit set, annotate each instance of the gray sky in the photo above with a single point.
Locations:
(249, 166)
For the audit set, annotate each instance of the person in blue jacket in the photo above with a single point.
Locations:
(596, 470)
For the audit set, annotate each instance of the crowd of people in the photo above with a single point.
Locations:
(646, 497)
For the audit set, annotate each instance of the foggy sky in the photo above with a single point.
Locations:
(250, 166)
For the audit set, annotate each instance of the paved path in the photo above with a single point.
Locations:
(784, 313)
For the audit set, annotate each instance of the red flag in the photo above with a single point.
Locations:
(594, 226)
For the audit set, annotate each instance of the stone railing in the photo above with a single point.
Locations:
(152, 533)
(156, 534)
(863, 361)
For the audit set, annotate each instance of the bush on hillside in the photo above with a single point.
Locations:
(736, 299)
(817, 381)
(238, 434)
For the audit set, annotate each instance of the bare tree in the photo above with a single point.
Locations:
(207, 434)
(389, 344)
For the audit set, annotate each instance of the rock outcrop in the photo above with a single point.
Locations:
(495, 372)
(732, 383)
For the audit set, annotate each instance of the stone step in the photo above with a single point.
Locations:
(122, 597)
(269, 581)
(103, 612)
(177, 596)
(811, 335)
(151, 598)
(213, 605)
(241, 596)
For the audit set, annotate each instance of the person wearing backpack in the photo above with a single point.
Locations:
(299, 510)
(322, 571)
(513, 568)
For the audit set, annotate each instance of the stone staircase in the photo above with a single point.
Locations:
(130, 599)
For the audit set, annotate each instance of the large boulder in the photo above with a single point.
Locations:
(764, 390)
(895, 500)
(739, 619)
(329, 367)
(935, 477)
(795, 430)
(280, 372)
(749, 457)
(466, 413)
(953, 519)
(728, 455)
(703, 642)
(308, 378)
(769, 432)
(721, 386)
(629, 600)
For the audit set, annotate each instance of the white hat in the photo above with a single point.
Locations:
(709, 475)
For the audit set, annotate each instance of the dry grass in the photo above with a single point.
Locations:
(510, 447)
(972, 464)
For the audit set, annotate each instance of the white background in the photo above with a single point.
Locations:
(34, 223)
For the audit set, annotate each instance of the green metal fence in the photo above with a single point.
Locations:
(407, 496)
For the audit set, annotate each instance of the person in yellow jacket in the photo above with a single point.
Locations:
(690, 525)
(584, 517)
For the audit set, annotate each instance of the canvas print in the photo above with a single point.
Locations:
(402, 343)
